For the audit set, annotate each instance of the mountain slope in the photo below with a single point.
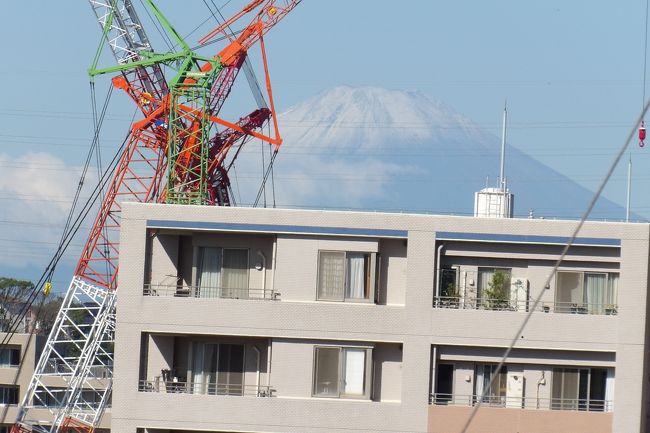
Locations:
(381, 149)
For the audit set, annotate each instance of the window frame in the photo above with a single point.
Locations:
(370, 270)
(582, 403)
(367, 373)
(494, 269)
(584, 307)
(493, 400)
(206, 387)
(14, 355)
(9, 390)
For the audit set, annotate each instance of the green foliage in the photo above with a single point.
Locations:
(47, 314)
(10, 288)
(497, 295)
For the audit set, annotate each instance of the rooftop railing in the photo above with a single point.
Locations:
(533, 403)
(184, 291)
(457, 303)
(170, 387)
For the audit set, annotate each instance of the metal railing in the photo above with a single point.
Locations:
(570, 404)
(457, 303)
(170, 387)
(58, 367)
(184, 291)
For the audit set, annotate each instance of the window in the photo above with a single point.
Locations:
(586, 292)
(342, 372)
(222, 273)
(9, 357)
(218, 369)
(345, 276)
(43, 398)
(582, 389)
(494, 287)
(448, 282)
(496, 391)
(444, 384)
(8, 395)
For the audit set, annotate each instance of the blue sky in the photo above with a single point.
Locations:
(571, 72)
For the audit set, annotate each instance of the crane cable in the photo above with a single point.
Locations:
(642, 131)
(537, 299)
(71, 227)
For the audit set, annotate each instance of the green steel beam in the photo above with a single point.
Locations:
(167, 25)
(102, 42)
(150, 60)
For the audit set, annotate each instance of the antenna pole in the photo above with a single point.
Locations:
(629, 189)
(502, 176)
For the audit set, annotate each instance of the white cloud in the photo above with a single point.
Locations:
(36, 191)
(321, 181)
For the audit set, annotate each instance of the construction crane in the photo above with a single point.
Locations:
(179, 152)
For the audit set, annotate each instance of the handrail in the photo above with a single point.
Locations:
(458, 303)
(209, 292)
(171, 387)
(570, 404)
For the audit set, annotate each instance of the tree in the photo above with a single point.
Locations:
(497, 295)
(47, 313)
(14, 295)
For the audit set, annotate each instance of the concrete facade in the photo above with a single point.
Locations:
(397, 346)
(16, 371)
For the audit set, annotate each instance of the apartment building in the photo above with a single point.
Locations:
(17, 360)
(270, 320)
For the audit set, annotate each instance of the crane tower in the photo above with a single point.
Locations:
(178, 152)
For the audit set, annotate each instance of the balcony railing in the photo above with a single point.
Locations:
(523, 305)
(572, 404)
(58, 367)
(160, 386)
(183, 291)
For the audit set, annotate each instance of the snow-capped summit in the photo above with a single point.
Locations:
(380, 149)
(372, 116)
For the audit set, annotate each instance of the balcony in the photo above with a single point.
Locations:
(533, 403)
(223, 389)
(457, 303)
(185, 291)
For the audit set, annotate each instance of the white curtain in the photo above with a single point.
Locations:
(209, 272)
(198, 378)
(609, 390)
(331, 275)
(234, 274)
(484, 279)
(595, 285)
(479, 381)
(356, 281)
(355, 365)
(496, 394)
(612, 290)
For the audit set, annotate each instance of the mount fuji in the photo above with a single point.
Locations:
(377, 149)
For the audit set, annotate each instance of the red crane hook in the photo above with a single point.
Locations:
(642, 134)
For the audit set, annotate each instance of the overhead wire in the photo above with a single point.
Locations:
(71, 228)
(66, 239)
